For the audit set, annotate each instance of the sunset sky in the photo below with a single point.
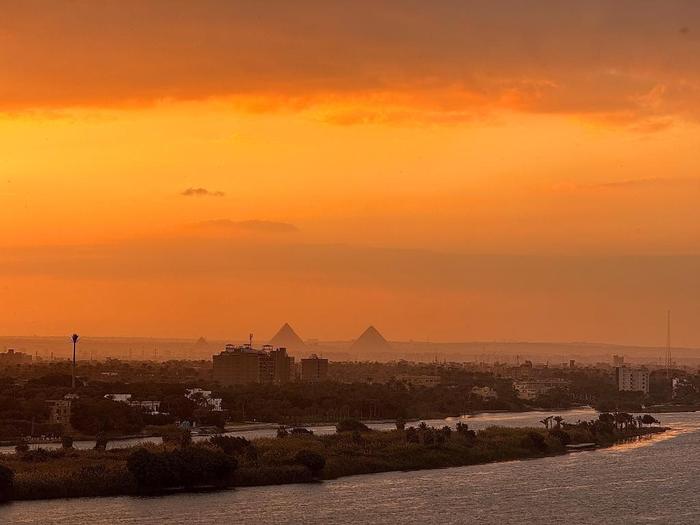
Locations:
(451, 170)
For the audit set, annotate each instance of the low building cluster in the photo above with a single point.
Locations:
(242, 365)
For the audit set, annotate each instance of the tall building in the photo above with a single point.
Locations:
(240, 365)
(314, 369)
(632, 380)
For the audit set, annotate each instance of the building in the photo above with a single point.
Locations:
(11, 358)
(275, 365)
(204, 398)
(314, 369)
(119, 398)
(60, 412)
(534, 388)
(618, 360)
(150, 407)
(241, 365)
(484, 392)
(419, 380)
(632, 379)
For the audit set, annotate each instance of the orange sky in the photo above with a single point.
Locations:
(451, 170)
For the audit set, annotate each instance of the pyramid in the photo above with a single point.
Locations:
(287, 338)
(371, 341)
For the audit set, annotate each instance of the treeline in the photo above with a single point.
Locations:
(331, 401)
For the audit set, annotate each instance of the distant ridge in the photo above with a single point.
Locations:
(286, 337)
(371, 341)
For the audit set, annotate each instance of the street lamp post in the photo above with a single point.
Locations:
(75, 341)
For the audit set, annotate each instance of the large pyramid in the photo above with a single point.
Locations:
(371, 341)
(287, 338)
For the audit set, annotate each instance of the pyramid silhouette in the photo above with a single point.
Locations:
(286, 337)
(371, 341)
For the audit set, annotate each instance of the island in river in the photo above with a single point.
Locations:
(295, 456)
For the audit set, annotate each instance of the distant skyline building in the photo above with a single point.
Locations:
(314, 369)
(632, 379)
(241, 365)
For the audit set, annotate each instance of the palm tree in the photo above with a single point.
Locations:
(558, 419)
(546, 421)
(75, 341)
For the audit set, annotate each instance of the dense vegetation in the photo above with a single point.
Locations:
(293, 457)
(357, 391)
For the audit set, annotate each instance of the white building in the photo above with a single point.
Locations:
(533, 388)
(484, 392)
(204, 399)
(632, 380)
(119, 398)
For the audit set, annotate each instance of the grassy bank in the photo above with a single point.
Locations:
(294, 458)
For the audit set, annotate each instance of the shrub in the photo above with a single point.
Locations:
(202, 466)
(311, 460)
(563, 436)
(178, 436)
(185, 467)
(534, 441)
(22, 447)
(351, 425)
(300, 431)
(7, 479)
(152, 471)
(66, 441)
(230, 445)
(101, 442)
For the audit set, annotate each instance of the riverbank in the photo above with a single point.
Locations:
(67, 473)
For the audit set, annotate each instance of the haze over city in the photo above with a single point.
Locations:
(440, 170)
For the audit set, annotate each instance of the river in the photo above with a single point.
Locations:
(654, 480)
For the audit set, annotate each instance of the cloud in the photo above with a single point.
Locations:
(201, 192)
(436, 61)
(632, 184)
(255, 226)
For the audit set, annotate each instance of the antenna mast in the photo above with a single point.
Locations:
(668, 344)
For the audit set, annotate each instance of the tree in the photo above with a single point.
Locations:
(648, 419)
(558, 420)
(400, 423)
(311, 460)
(101, 441)
(67, 442)
(547, 421)
(7, 481)
(351, 425)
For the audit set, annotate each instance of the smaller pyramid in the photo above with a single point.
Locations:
(371, 341)
(287, 338)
